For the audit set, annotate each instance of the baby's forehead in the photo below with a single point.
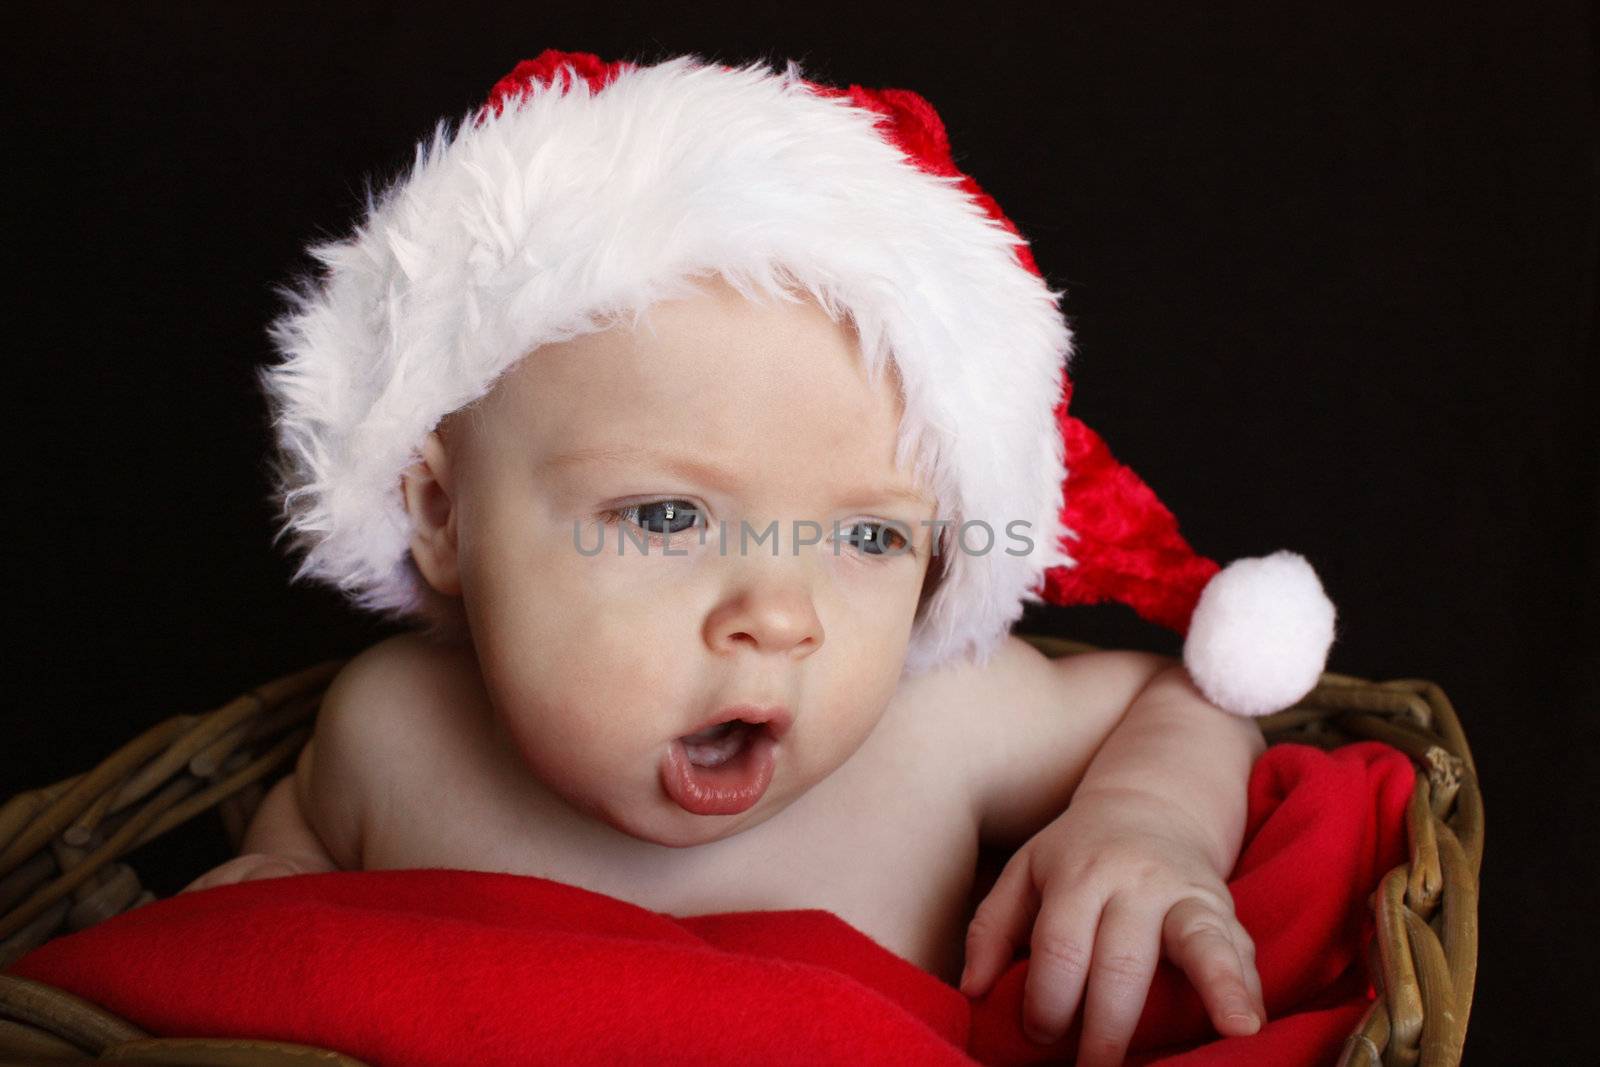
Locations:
(721, 418)
(707, 365)
(810, 434)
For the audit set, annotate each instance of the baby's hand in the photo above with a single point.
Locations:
(1111, 884)
(253, 865)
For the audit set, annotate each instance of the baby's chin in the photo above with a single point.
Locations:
(672, 827)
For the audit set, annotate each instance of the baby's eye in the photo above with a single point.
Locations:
(877, 539)
(665, 517)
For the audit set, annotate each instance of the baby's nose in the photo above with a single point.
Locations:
(774, 617)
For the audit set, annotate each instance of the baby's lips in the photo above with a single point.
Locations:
(726, 789)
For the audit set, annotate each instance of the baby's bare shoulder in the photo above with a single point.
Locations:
(1029, 724)
(375, 720)
(402, 671)
(382, 689)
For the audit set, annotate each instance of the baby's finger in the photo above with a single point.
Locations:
(1252, 976)
(246, 868)
(998, 926)
(1126, 950)
(1058, 965)
(1199, 941)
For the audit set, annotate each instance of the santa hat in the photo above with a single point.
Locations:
(586, 190)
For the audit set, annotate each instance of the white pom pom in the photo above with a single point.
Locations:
(1259, 636)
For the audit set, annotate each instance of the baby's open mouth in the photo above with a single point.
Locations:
(721, 770)
(715, 746)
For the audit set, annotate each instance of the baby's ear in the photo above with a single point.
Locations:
(428, 487)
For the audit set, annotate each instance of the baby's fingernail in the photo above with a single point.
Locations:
(1245, 1020)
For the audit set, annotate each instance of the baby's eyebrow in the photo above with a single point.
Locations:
(711, 473)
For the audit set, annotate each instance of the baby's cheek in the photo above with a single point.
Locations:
(596, 679)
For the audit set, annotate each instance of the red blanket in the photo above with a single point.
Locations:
(442, 967)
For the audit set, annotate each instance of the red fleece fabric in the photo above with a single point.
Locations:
(443, 967)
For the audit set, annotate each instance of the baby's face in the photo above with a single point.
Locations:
(600, 663)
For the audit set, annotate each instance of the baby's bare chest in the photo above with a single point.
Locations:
(887, 842)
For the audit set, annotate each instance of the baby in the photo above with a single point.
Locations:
(708, 630)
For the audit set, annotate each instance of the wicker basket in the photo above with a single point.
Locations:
(60, 869)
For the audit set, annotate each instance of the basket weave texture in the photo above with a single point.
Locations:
(61, 868)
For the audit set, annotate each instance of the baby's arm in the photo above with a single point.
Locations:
(310, 821)
(278, 842)
(1186, 759)
(1138, 861)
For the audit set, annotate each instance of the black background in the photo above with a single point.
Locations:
(1332, 270)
